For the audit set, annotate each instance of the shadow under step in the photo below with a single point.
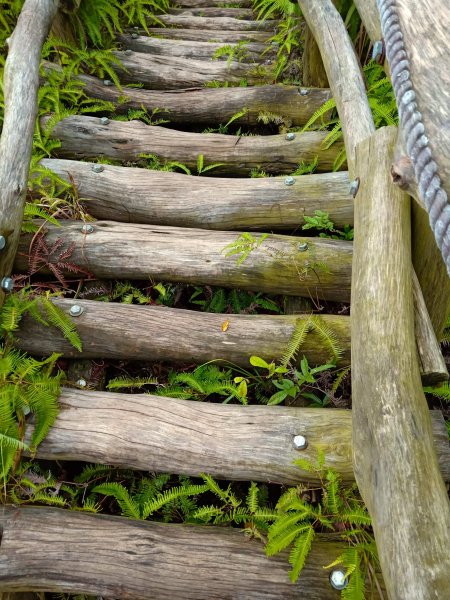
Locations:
(153, 197)
(90, 137)
(243, 443)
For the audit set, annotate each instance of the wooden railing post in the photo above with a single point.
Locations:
(395, 464)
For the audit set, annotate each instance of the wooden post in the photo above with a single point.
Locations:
(395, 463)
(21, 82)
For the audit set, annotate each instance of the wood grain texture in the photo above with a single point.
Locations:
(174, 72)
(20, 83)
(313, 70)
(212, 106)
(213, 11)
(206, 35)
(197, 256)
(368, 11)
(50, 549)
(343, 72)
(220, 23)
(395, 462)
(209, 3)
(154, 333)
(244, 443)
(189, 49)
(87, 137)
(255, 203)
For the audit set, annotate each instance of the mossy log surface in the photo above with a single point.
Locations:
(142, 196)
(213, 11)
(154, 333)
(216, 23)
(174, 72)
(86, 137)
(209, 35)
(189, 49)
(213, 106)
(209, 3)
(322, 270)
(395, 462)
(244, 443)
(50, 549)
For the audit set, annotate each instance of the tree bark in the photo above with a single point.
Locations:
(220, 23)
(395, 463)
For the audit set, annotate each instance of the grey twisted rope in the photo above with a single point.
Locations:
(425, 168)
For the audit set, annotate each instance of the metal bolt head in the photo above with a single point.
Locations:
(128, 51)
(107, 82)
(303, 247)
(290, 136)
(82, 382)
(104, 121)
(7, 284)
(87, 228)
(338, 580)
(300, 442)
(303, 92)
(2, 242)
(134, 35)
(98, 168)
(76, 310)
(354, 187)
(378, 51)
(289, 180)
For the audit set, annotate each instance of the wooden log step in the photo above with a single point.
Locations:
(214, 11)
(212, 106)
(244, 443)
(87, 137)
(209, 3)
(51, 549)
(189, 49)
(208, 35)
(154, 333)
(220, 23)
(173, 72)
(153, 197)
(197, 256)
(120, 331)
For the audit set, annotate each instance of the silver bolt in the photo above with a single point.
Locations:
(7, 284)
(268, 62)
(303, 92)
(289, 181)
(354, 187)
(300, 442)
(87, 228)
(98, 168)
(2, 242)
(303, 247)
(290, 136)
(377, 51)
(76, 310)
(26, 411)
(134, 36)
(128, 51)
(107, 82)
(136, 28)
(338, 580)
(82, 382)
(104, 121)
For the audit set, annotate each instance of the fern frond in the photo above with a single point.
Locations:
(441, 391)
(168, 496)
(299, 552)
(206, 514)
(278, 543)
(226, 496)
(328, 337)
(49, 499)
(61, 321)
(93, 471)
(252, 497)
(127, 504)
(124, 382)
(302, 328)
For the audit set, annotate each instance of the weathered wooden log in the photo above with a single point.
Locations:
(87, 137)
(313, 70)
(189, 49)
(229, 442)
(21, 82)
(370, 17)
(147, 333)
(212, 106)
(213, 11)
(220, 23)
(153, 333)
(208, 3)
(322, 270)
(208, 35)
(51, 549)
(174, 72)
(343, 72)
(395, 462)
(253, 203)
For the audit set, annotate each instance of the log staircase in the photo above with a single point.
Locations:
(173, 227)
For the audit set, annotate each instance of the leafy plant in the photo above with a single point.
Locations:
(221, 300)
(236, 52)
(321, 222)
(244, 244)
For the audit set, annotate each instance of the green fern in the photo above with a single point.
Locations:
(296, 341)
(124, 382)
(441, 391)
